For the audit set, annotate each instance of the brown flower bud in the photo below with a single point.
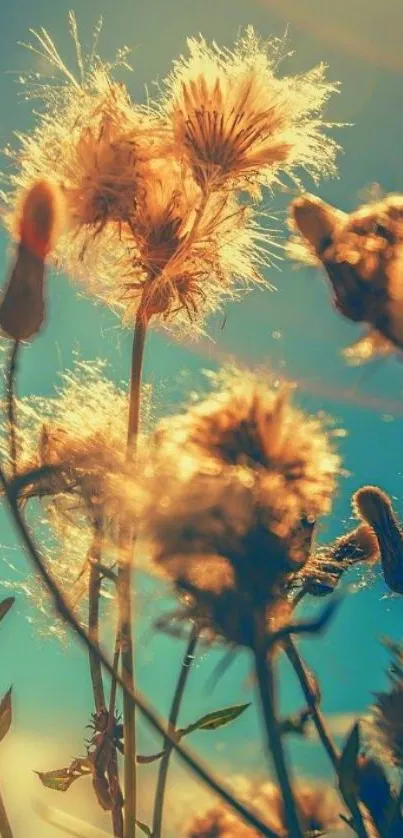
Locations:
(375, 507)
(22, 307)
(316, 221)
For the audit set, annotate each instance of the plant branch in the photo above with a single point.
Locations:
(11, 375)
(267, 690)
(321, 728)
(94, 591)
(125, 590)
(312, 701)
(61, 605)
(173, 718)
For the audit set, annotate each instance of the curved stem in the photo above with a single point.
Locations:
(11, 373)
(125, 590)
(173, 718)
(267, 690)
(62, 607)
(311, 700)
(322, 730)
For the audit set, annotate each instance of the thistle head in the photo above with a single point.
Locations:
(235, 485)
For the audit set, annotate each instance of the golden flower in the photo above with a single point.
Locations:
(188, 253)
(141, 233)
(232, 492)
(238, 123)
(319, 806)
(81, 435)
(374, 506)
(362, 253)
(89, 139)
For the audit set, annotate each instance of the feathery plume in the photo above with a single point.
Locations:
(362, 253)
(141, 233)
(80, 435)
(232, 492)
(238, 123)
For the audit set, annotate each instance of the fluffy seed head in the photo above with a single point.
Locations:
(234, 487)
(240, 124)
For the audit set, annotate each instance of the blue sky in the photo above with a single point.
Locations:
(295, 330)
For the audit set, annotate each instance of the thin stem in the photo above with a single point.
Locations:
(125, 590)
(5, 828)
(94, 592)
(322, 729)
(311, 700)
(267, 690)
(112, 768)
(11, 374)
(62, 607)
(167, 747)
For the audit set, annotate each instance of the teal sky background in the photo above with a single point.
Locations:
(294, 330)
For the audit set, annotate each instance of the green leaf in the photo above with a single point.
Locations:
(5, 714)
(348, 763)
(144, 828)
(216, 719)
(62, 778)
(5, 606)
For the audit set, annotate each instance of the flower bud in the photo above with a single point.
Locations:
(22, 307)
(375, 508)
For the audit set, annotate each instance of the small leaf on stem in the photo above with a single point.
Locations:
(216, 719)
(5, 606)
(5, 714)
(348, 763)
(144, 828)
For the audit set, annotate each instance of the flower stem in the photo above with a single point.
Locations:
(67, 614)
(267, 690)
(94, 591)
(321, 728)
(11, 375)
(312, 702)
(125, 590)
(173, 718)
(5, 828)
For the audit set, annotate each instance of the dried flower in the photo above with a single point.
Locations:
(319, 807)
(325, 567)
(238, 123)
(81, 436)
(142, 236)
(233, 489)
(362, 254)
(375, 507)
(40, 219)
